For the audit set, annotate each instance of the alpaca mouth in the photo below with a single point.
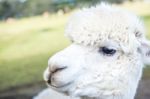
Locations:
(60, 86)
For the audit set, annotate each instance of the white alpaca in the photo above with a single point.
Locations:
(106, 58)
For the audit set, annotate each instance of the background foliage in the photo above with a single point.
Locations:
(23, 8)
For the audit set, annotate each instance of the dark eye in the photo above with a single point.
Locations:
(107, 51)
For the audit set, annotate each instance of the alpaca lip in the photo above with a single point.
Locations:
(62, 86)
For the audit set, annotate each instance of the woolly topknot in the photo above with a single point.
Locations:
(95, 25)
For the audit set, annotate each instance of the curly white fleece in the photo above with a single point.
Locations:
(101, 23)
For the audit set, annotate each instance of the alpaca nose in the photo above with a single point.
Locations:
(53, 71)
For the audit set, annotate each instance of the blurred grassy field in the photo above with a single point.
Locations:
(26, 45)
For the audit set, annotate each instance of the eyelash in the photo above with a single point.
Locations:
(107, 51)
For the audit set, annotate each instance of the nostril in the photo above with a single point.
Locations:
(59, 69)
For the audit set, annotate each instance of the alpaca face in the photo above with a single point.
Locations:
(106, 57)
(89, 71)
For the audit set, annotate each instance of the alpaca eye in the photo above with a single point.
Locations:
(107, 51)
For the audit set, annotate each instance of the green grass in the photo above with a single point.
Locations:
(26, 45)
(147, 24)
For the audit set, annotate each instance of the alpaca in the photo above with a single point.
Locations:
(106, 57)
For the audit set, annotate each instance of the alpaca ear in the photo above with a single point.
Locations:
(145, 50)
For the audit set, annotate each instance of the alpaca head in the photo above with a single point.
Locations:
(106, 56)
